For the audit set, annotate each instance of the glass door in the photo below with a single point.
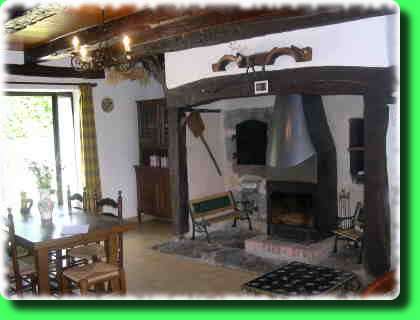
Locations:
(36, 129)
(68, 164)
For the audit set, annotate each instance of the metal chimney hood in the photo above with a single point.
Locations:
(289, 143)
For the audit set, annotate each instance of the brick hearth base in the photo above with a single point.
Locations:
(288, 250)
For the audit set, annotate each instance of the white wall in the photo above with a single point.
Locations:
(339, 109)
(365, 42)
(203, 178)
(393, 163)
(117, 132)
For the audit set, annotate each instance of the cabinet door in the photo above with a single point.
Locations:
(163, 119)
(147, 186)
(164, 196)
(149, 123)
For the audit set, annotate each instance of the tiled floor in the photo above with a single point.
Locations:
(150, 273)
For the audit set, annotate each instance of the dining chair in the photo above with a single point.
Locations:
(21, 269)
(95, 251)
(80, 198)
(98, 272)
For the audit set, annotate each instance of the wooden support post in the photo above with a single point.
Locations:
(377, 246)
(178, 170)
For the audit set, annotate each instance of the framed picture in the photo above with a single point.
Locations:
(107, 104)
(261, 87)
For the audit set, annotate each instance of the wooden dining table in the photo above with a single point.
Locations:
(40, 238)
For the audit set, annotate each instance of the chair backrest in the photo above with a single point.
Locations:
(211, 205)
(81, 198)
(13, 252)
(116, 205)
(110, 203)
(359, 217)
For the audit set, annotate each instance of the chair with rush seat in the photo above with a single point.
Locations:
(98, 272)
(22, 273)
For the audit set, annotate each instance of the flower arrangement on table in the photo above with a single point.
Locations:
(43, 175)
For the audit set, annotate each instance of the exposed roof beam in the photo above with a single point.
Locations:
(139, 21)
(53, 72)
(165, 29)
(179, 36)
(23, 19)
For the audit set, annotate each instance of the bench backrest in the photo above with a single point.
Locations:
(211, 205)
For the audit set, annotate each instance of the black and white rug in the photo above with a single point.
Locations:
(302, 279)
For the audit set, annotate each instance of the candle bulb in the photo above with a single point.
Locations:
(76, 43)
(83, 53)
(126, 43)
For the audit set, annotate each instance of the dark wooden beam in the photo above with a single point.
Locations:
(211, 30)
(51, 83)
(309, 80)
(53, 72)
(201, 110)
(178, 171)
(166, 29)
(21, 19)
(377, 236)
(111, 31)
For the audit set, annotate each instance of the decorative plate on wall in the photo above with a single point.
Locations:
(107, 104)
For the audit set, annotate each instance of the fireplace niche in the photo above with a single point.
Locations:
(292, 211)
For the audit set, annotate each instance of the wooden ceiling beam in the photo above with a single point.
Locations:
(53, 72)
(166, 29)
(133, 23)
(210, 32)
(21, 18)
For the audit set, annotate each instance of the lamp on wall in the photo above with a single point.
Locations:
(102, 56)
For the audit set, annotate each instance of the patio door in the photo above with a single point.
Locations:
(36, 129)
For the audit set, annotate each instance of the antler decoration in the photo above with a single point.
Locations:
(263, 59)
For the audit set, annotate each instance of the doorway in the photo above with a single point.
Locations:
(37, 129)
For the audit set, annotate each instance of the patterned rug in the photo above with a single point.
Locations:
(301, 279)
(225, 249)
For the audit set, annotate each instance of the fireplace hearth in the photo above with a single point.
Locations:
(292, 211)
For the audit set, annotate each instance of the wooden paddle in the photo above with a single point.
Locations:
(197, 127)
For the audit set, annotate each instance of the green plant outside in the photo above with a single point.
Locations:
(405, 307)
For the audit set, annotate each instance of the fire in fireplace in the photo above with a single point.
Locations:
(292, 210)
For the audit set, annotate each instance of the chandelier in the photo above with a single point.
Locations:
(102, 56)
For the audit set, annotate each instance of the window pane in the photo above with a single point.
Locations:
(26, 135)
(69, 167)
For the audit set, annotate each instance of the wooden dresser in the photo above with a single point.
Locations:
(153, 193)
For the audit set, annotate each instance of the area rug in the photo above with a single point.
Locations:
(225, 249)
(302, 279)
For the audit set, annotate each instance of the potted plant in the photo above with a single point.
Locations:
(43, 175)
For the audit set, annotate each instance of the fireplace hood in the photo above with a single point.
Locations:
(289, 143)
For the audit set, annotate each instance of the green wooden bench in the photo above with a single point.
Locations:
(215, 208)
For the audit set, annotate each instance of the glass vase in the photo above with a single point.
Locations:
(45, 204)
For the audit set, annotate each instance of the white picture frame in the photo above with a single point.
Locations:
(260, 87)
